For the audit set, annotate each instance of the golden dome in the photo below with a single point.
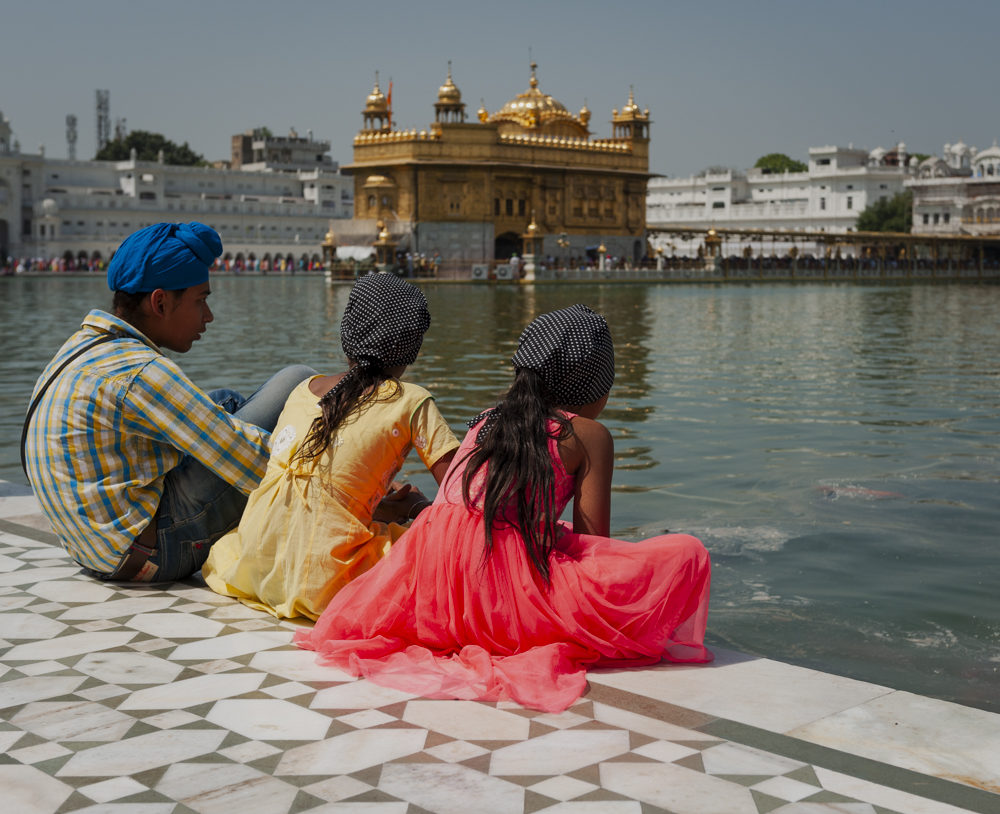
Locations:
(378, 181)
(483, 113)
(376, 103)
(585, 112)
(533, 108)
(631, 111)
(448, 93)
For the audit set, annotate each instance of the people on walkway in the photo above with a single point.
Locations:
(488, 596)
(311, 526)
(138, 470)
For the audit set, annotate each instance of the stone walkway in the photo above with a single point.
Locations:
(125, 699)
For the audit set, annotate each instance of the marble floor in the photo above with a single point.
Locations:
(169, 699)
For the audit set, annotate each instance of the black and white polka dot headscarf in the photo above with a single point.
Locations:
(573, 353)
(384, 323)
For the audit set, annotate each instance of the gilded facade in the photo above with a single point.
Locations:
(468, 189)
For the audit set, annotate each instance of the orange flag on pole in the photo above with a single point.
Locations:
(389, 101)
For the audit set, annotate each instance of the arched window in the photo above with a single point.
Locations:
(989, 170)
(371, 201)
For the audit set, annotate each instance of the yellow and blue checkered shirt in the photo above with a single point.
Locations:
(108, 430)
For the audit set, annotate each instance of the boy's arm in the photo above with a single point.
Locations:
(163, 404)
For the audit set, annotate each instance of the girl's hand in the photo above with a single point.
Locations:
(398, 505)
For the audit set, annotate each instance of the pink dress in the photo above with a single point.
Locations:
(434, 618)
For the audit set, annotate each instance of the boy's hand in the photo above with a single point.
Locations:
(398, 504)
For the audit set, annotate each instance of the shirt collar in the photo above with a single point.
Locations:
(108, 323)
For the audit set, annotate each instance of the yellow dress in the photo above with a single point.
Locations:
(307, 529)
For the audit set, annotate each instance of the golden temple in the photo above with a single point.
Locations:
(467, 190)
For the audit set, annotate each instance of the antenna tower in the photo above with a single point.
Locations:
(121, 129)
(71, 137)
(103, 119)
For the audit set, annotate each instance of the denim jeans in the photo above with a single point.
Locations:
(198, 506)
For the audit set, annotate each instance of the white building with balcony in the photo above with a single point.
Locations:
(52, 208)
(838, 184)
(958, 194)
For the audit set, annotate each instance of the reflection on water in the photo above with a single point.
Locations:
(836, 447)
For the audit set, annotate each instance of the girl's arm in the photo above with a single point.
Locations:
(591, 456)
(440, 468)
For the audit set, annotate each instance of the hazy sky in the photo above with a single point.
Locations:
(725, 82)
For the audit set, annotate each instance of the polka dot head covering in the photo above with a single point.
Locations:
(384, 322)
(572, 351)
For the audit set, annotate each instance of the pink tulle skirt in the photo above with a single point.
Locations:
(435, 618)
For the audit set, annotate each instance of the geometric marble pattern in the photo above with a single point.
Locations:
(169, 699)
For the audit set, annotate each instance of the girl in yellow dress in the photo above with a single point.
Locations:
(309, 527)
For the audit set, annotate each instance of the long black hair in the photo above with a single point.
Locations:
(361, 386)
(520, 489)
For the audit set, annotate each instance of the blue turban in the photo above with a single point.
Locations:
(170, 256)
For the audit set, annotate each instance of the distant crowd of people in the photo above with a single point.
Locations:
(17, 265)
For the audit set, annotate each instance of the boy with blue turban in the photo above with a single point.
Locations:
(138, 470)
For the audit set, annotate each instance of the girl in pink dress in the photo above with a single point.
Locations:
(488, 596)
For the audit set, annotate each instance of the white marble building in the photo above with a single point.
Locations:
(53, 208)
(839, 183)
(958, 193)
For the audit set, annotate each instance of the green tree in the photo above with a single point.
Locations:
(147, 147)
(919, 156)
(893, 215)
(779, 162)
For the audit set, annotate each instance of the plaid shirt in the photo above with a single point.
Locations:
(108, 430)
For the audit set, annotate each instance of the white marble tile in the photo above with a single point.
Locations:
(18, 505)
(40, 668)
(352, 751)
(100, 624)
(29, 576)
(366, 718)
(665, 751)
(102, 692)
(467, 720)
(289, 689)
(72, 591)
(194, 607)
(559, 752)
(296, 665)
(114, 789)
(175, 625)
(926, 735)
(825, 808)
(237, 611)
(8, 738)
(253, 624)
(142, 753)
(11, 602)
(127, 808)
(337, 788)
(564, 720)
(225, 788)
(735, 758)
(36, 554)
(562, 787)
(73, 721)
(359, 695)
(270, 720)
(784, 788)
(226, 647)
(48, 607)
(25, 690)
(251, 750)
(8, 564)
(361, 808)
(596, 807)
(29, 626)
(27, 790)
(39, 752)
(456, 751)
(56, 560)
(193, 691)
(66, 646)
(882, 795)
(118, 608)
(679, 790)
(171, 719)
(806, 695)
(450, 789)
(149, 645)
(217, 666)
